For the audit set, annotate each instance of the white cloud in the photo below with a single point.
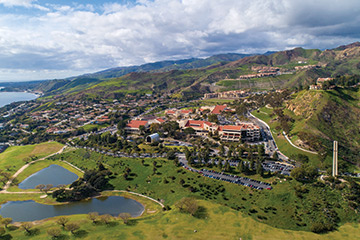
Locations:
(23, 3)
(79, 38)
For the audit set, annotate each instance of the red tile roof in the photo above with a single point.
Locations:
(197, 124)
(136, 124)
(218, 109)
(160, 120)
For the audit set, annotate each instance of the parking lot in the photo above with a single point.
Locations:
(273, 166)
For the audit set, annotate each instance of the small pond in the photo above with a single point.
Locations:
(54, 174)
(23, 211)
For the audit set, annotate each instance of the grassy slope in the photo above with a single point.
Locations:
(219, 219)
(248, 201)
(220, 223)
(283, 145)
(13, 156)
(328, 115)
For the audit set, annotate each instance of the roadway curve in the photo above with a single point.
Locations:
(288, 139)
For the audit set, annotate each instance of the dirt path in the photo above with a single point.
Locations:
(7, 185)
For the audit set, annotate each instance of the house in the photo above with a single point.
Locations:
(314, 87)
(320, 81)
(134, 126)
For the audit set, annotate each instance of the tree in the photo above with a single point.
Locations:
(125, 217)
(48, 187)
(222, 150)
(275, 155)
(227, 166)
(27, 227)
(6, 221)
(62, 221)
(40, 187)
(259, 168)
(188, 205)
(2, 231)
(189, 131)
(219, 164)
(171, 155)
(72, 227)
(240, 167)
(106, 218)
(93, 216)
(54, 232)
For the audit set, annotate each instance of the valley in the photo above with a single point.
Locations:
(233, 145)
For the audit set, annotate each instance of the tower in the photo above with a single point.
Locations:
(335, 159)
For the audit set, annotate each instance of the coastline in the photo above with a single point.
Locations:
(7, 98)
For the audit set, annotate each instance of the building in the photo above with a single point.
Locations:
(227, 95)
(153, 138)
(314, 87)
(179, 113)
(134, 126)
(247, 132)
(219, 109)
(320, 81)
(201, 128)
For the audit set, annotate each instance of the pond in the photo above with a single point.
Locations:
(23, 211)
(54, 174)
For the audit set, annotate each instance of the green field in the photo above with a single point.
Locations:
(13, 157)
(283, 145)
(217, 222)
(170, 183)
(228, 210)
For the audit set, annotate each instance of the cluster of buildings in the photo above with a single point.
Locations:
(231, 133)
(227, 95)
(319, 83)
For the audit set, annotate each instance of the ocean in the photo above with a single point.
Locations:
(10, 97)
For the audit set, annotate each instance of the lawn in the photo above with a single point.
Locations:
(37, 166)
(283, 145)
(13, 157)
(216, 222)
(161, 179)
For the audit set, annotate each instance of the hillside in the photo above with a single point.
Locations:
(191, 78)
(164, 66)
(324, 116)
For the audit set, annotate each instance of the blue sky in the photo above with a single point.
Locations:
(47, 39)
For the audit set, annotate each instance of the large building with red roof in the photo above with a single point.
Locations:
(243, 132)
(134, 126)
(230, 133)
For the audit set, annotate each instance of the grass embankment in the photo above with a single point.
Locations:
(279, 207)
(216, 222)
(13, 157)
(283, 145)
(37, 166)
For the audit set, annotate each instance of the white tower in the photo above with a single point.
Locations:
(335, 159)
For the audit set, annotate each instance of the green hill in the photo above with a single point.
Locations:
(324, 116)
(191, 78)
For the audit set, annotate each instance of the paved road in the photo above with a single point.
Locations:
(288, 139)
(270, 144)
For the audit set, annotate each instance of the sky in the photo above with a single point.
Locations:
(52, 39)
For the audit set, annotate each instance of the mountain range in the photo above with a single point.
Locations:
(190, 78)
